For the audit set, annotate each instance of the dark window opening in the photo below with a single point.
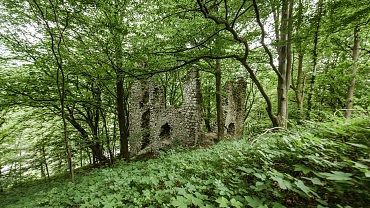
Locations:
(146, 97)
(231, 129)
(166, 132)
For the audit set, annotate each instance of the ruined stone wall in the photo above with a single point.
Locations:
(234, 107)
(192, 107)
(139, 114)
(152, 125)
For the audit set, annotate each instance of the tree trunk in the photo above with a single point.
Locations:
(122, 115)
(94, 145)
(81, 155)
(207, 108)
(289, 56)
(298, 87)
(299, 92)
(1, 181)
(314, 54)
(282, 111)
(122, 125)
(42, 170)
(354, 68)
(45, 161)
(111, 156)
(220, 120)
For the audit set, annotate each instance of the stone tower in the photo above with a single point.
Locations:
(234, 107)
(153, 126)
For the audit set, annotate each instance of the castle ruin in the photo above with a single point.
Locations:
(153, 125)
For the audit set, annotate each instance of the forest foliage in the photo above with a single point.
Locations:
(67, 68)
(321, 165)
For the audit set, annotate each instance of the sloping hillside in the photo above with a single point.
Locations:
(320, 165)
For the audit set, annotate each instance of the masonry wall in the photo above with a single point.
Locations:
(234, 107)
(152, 126)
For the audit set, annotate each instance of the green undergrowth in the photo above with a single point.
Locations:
(318, 165)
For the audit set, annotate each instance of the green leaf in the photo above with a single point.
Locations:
(246, 170)
(315, 181)
(255, 202)
(360, 166)
(337, 176)
(222, 201)
(303, 187)
(179, 201)
(236, 203)
(283, 184)
(302, 168)
(260, 176)
(358, 145)
(277, 205)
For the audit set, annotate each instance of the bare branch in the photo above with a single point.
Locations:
(267, 50)
(226, 10)
(193, 47)
(238, 14)
(185, 63)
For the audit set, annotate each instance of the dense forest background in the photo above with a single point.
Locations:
(67, 67)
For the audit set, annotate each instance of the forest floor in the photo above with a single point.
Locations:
(318, 165)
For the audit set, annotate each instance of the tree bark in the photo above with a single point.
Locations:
(220, 120)
(95, 146)
(122, 114)
(207, 109)
(299, 91)
(298, 87)
(314, 55)
(111, 155)
(45, 161)
(354, 68)
(282, 88)
(289, 56)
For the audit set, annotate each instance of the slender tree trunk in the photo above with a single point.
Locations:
(42, 170)
(282, 88)
(122, 114)
(111, 156)
(314, 55)
(56, 44)
(95, 146)
(114, 137)
(1, 181)
(20, 166)
(98, 145)
(220, 120)
(122, 125)
(45, 161)
(81, 155)
(299, 86)
(207, 109)
(89, 156)
(354, 68)
(289, 54)
(299, 92)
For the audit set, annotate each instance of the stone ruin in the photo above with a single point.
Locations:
(234, 107)
(153, 125)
